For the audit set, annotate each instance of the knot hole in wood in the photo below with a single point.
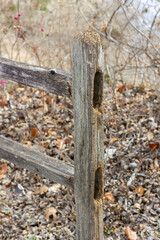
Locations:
(98, 90)
(98, 187)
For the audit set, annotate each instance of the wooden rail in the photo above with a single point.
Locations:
(37, 162)
(52, 80)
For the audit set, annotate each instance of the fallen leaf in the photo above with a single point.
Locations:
(65, 129)
(11, 92)
(8, 184)
(129, 86)
(59, 143)
(19, 189)
(117, 209)
(120, 89)
(110, 152)
(41, 190)
(139, 190)
(154, 146)
(139, 117)
(156, 163)
(150, 136)
(50, 214)
(51, 132)
(44, 144)
(48, 100)
(60, 120)
(112, 120)
(3, 169)
(112, 140)
(55, 187)
(3, 103)
(121, 102)
(34, 132)
(67, 140)
(109, 196)
(131, 235)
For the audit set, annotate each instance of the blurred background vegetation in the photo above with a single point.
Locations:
(40, 32)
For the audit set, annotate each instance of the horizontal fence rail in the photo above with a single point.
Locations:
(37, 162)
(52, 80)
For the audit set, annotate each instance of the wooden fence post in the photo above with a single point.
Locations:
(87, 87)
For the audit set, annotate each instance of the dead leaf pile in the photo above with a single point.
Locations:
(33, 205)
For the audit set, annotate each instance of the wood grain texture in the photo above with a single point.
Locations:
(54, 80)
(87, 89)
(37, 162)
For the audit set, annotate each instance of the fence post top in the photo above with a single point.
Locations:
(89, 37)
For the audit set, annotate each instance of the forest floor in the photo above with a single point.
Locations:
(32, 207)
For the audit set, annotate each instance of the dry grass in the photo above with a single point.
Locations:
(23, 40)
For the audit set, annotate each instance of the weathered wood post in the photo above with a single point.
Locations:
(87, 87)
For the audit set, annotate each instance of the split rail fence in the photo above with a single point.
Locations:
(85, 86)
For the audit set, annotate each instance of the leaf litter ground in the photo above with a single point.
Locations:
(32, 207)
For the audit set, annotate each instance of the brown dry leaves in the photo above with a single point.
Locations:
(139, 190)
(3, 170)
(132, 157)
(41, 190)
(113, 140)
(153, 146)
(131, 235)
(50, 214)
(150, 136)
(109, 196)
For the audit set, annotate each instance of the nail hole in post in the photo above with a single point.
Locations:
(98, 90)
(52, 72)
(98, 184)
